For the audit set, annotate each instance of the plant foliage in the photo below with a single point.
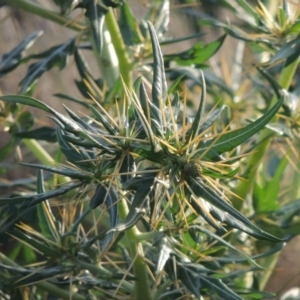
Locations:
(145, 204)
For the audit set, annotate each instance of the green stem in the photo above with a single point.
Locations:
(142, 290)
(265, 138)
(45, 13)
(42, 155)
(98, 270)
(119, 45)
(46, 286)
(107, 60)
(39, 152)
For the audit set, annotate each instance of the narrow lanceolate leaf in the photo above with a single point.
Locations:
(127, 169)
(224, 212)
(218, 287)
(225, 243)
(151, 111)
(54, 57)
(289, 51)
(159, 85)
(44, 133)
(146, 125)
(107, 195)
(129, 26)
(35, 199)
(230, 140)
(103, 121)
(12, 59)
(88, 83)
(275, 85)
(211, 118)
(95, 14)
(197, 121)
(143, 186)
(66, 123)
(26, 100)
(198, 54)
(47, 221)
(73, 173)
(165, 249)
(190, 279)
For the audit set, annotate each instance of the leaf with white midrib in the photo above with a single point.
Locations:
(230, 140)
(12, 59)
(59, 53)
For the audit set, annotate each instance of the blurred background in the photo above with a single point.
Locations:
(15, 25)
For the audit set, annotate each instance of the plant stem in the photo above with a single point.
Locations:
(142, 290)
(119, 45)
(107, 60)
(46, 286)
(104, 273)
(38, 151)
(265, 138)
(42, 155)
(45, 13)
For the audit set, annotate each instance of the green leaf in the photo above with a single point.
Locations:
(165, 249)
(197, 120)
(73, 173)
(26, 100)
(95, 14)
(84, 103)
(197, 55)
(195, 75)
(223, 211)
(289, 51)
(73, 154)
(265, 198)
(103, 121)
(174, 84)
(108, 195)
(35, 199)
(212, 117)
(223, 175)
(276, 87)
(249, 9)
(225, 243)
(129, 26)
(143, 186)
(64, 122)
(190, 279)
(12, 59)
(46, 219)
(44, 133)
(54, 57)
(159, 84)
(149, 108)
(216, 286)
(145, 123)
(48, 250)
(172, 40)
(128, 166)
(228, 141)
(295, 27)
(88, 86)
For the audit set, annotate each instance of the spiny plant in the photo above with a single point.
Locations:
(143, 201)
